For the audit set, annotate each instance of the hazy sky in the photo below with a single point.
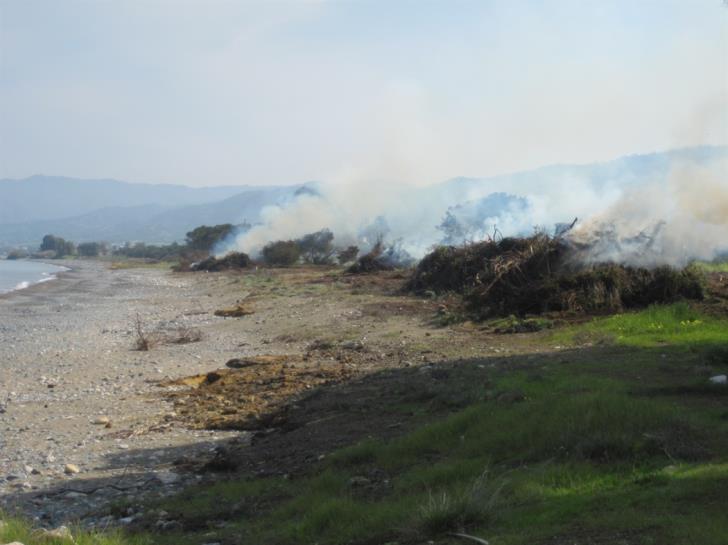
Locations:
(222, 92)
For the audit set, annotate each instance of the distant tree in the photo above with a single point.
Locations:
(282, 253)
(452, 230)
(168, 252)
(49, 243)
(204, 238)
(317, 247)
(91, 249)
(60, 246)
(65, 248)
(17, 253)
(348, 254)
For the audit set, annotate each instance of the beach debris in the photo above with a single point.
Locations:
(237, 311)
(238, 363)
(101, 420)
(719, 379)
(372, 261)
(70, 469)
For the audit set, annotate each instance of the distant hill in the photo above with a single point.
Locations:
(53, 197)
(621, 172)
(86, 210)
(114, 211)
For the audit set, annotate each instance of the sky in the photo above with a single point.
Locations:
(221, 92)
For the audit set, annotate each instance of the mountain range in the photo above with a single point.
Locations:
(116, 211)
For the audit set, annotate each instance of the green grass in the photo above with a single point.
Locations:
(581, 453)
(15, 529)
(676, 325)
(595, 445)
(132, 263)
(712, 266)
(587, 452)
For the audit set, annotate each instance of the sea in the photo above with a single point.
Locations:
(19, 274)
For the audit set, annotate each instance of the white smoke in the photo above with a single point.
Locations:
(348, 210)
(668, 222)
(678, 210)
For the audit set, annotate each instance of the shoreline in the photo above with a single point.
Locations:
(67, 359)
(54, 276)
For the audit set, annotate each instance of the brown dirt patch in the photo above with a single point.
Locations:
(251, 397)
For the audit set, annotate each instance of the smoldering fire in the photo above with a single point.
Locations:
(665, 214)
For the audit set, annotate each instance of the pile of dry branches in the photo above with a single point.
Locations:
(537, 274)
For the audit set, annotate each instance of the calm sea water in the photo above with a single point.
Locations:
(16, 275)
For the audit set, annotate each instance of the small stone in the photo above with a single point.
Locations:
(70, 469)
(72, 495)
(28, 469)
(719, 379)
(167, 477)
(101, 420)
(511, 397)
(359, 481)
(352, 345)
(62, 532)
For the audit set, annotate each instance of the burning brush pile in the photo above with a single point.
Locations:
(541, 273)
(233, 260)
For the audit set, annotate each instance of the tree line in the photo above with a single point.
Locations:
(198, 243)
(314, 248)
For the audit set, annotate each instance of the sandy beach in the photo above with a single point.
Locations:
(67, 361)
(68, 364)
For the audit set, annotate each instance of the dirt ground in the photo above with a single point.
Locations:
(336, 351)
(317, 341)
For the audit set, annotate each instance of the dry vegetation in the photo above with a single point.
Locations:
(146, 339)
(538, 274)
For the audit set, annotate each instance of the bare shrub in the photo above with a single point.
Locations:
(144, 340)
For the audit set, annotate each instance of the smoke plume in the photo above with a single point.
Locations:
(644, 210)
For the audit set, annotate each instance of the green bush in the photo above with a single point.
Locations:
(282, 253)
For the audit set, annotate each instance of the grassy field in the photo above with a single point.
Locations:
(713, 266)
(678, 324)
(131, 263)
(598, 445)
(616, 436)
(15, 530)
